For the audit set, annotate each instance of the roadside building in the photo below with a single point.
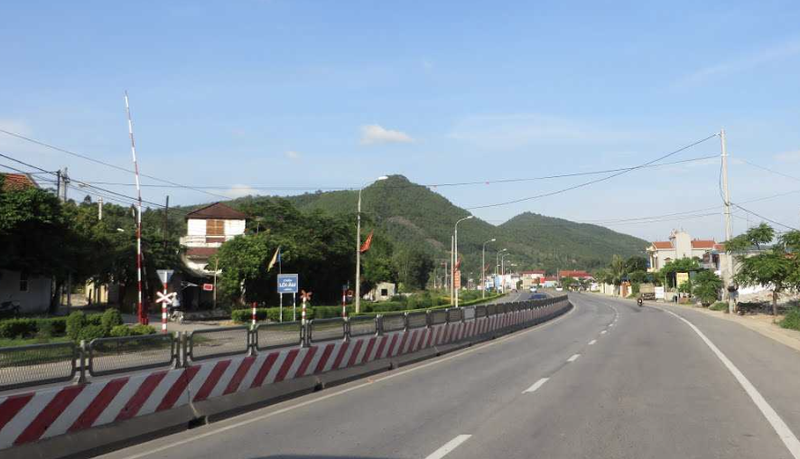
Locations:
(681, 245)
(207, 229)
(30, 292)
(531, 278)
(579, 275)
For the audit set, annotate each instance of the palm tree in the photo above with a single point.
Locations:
(617, 270)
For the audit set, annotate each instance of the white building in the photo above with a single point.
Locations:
(207, 229)
(681, 245)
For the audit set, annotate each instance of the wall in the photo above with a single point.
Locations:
(196, 227)
(36, 299)
(234, 227)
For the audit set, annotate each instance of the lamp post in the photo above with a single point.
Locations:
(358, 247)
(497, 264)
(503, 270)
(483, 267)
(455, 252)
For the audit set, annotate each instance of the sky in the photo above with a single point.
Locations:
(288, 96)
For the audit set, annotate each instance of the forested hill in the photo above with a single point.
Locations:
(411, 214)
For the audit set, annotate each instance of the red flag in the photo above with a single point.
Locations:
(458, 263)
(367, 243)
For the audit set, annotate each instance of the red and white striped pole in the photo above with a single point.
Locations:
(303, 311)
(143, 319)
(164, 311)
(344, 303)
(254, 312)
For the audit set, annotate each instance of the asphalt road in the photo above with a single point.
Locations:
(607, 380)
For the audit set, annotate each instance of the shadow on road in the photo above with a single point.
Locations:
(315, 456)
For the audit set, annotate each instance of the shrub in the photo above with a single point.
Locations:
(90, 332)
(45, 328)
(141, 329)
(75, 323)
(110, 319)
(719, 306)
(59, 325)
(12, 328)
(94, 319)
(119, 331)
(792, 319)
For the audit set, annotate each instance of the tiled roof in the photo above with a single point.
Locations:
(200, 252)
(549, 279)
(703, 244)
(217, 210)
(662, 244)
(17, 181)
(575, 274)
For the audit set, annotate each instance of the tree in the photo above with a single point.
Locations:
(413, 268)
(635, 263)
(777, 266)
(706, 286)
(569, 282)
(681, 265)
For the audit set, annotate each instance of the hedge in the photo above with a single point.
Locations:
(50, 327)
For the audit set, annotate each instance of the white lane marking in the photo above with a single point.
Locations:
(780, 427)
(573, 358)
(604, 332)
(448, 447)
(535, 386)
(350, 389)
(592, 342)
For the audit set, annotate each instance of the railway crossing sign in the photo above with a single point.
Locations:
(166, 298)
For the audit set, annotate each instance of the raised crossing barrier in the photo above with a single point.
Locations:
(259, 364)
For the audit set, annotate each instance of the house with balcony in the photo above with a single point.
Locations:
(531, 278)
(207, 229)
(681, 245)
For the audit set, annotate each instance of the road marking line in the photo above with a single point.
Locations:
(535, 386)
(389, 376)
(448, 447)
(573, 358)
(592, 342)
(780, 427)
(604, 332)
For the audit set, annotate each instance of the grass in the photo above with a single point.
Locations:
(9, 342)
(792, 319)
(719, 306)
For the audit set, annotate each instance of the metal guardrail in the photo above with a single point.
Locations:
(392, 322)
(36, 364)
(417, 319)
(437, 317)
(275, 335)
(362, 325)
(32, 365)
(130, 353)
(454, 315)
(218, 342)
(326, 329)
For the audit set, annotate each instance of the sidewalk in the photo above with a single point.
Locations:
(760, 323)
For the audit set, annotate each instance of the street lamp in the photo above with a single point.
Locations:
(497, 264)
(483, 267)
(358, 247)
(455, 255)
(503, 269)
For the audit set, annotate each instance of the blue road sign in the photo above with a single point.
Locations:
(287, 283)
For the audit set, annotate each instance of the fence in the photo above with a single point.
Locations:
(116, 355)
(51, 363)
(37, 364)
(218, 342)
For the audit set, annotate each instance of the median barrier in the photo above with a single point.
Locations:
(54, 422)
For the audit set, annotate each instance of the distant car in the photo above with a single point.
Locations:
(559, 289)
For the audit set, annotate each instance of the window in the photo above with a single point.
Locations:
(384, 292)
(215, 227)
(23, 281)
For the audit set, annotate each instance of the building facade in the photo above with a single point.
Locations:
(681, 245)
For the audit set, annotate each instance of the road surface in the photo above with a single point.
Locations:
(607, 380)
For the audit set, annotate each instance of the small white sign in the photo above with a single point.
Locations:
(166, 298)
(659, 293)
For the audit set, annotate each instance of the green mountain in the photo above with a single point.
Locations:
(412, 215)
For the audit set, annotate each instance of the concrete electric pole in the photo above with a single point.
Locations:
(728, 228)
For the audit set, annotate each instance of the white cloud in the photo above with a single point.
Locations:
(519, 130)
(238, 191)
(789, 156)
(744, 63)
(291, 154)
(375, 134)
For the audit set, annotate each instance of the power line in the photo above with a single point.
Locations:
(592, 182)
(104, 163)
(770, 170)
(763, 217)
(80, 182)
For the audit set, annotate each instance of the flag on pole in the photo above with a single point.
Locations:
(365, 246)
(276, 257)
(458, 263)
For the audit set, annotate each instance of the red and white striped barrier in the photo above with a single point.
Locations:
(46, 413)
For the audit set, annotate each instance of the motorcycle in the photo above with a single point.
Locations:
(640, 302)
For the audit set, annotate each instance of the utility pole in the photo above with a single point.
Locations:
(61, 192)
(452, 268)
(100, 208)
(728, 229)
(166, 223)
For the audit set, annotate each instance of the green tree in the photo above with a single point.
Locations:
(635, 263)
(569, 282)
(413, 268)
(706, 286)
(777, 266)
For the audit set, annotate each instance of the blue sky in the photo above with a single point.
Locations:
(333, 94)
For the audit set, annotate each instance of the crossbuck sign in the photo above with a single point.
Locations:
(166, 298)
